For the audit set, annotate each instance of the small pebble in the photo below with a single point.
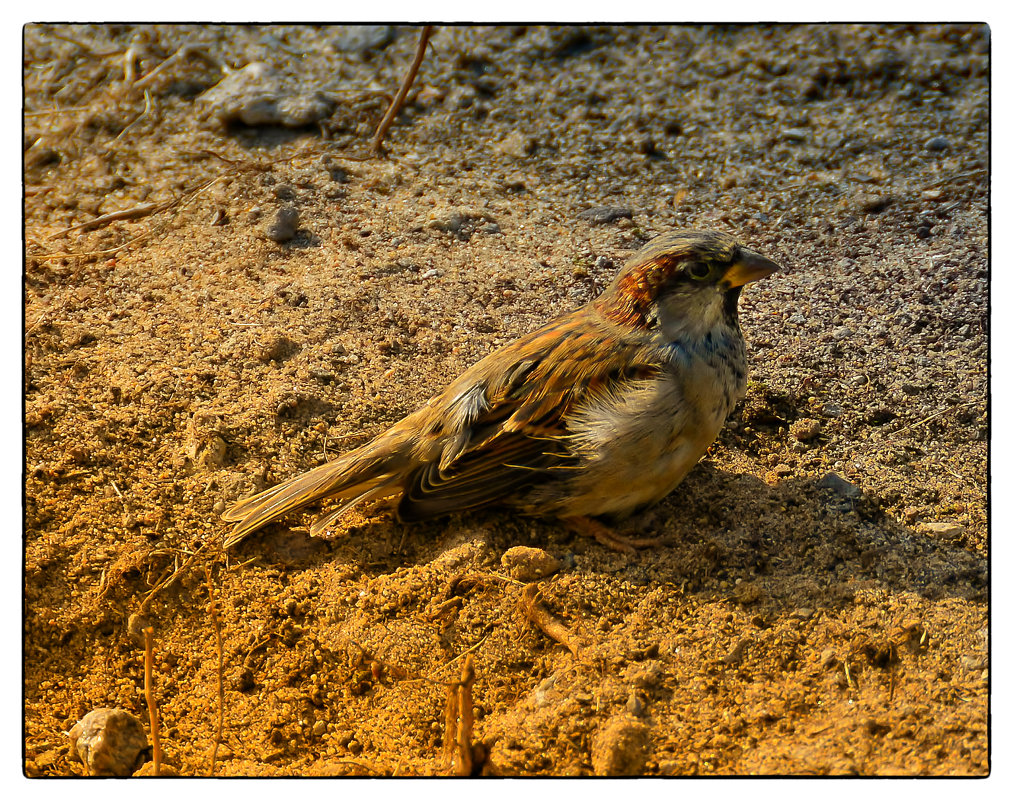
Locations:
(136, 624)
(846, 489)
(257, 95)
(805, 430)
(937, 143)
(647, 675)
(277, 349)
(634, 705)
(828, 658)
(942, 530)
(872, 204)
(541, 694)
(516, 145)
(164, 770)
(529, 564)
(284, 226)
(108, 741)
(362, 38)
(620, 748)
(600, 215)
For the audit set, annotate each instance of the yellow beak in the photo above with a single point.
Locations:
(751, 266)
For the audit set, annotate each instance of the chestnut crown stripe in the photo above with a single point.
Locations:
(629, 299)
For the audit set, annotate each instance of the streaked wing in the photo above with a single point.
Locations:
(513, 433)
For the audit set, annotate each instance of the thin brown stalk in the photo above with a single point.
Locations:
(459, 721)
(546, 622)
(149, 697)
(135, 213)
(213, 609)
(409, 78)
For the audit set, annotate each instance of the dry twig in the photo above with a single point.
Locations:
(546, 622)
(169, 580)
(135, 213)
(144, 210)
(460, 721)
(149, 697)
(925, 420)
(395, 107)
(213, 610)
(190, 48)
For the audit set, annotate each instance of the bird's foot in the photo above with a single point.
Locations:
(589, 527)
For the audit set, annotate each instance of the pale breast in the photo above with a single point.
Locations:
(638, 442)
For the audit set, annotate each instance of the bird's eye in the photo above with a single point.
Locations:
(698, 270)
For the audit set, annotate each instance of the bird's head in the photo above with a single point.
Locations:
(685, 281)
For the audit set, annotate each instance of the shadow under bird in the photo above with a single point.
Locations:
(600, 412)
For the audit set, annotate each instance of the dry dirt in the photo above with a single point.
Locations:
(823, 606)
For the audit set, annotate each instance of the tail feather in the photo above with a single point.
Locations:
(384, 488)
(346, 479)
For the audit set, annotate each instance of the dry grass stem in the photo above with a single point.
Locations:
(149, 697)
(220, 723)
(409, 78)
(546, 622)
(459, 721)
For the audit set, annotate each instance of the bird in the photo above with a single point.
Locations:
(595, 416)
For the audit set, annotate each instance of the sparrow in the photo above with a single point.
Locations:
(599, 413)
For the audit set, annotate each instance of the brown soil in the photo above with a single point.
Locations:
(799, 622)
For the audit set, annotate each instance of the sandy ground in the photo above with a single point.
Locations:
(275, 294)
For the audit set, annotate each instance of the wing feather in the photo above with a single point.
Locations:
(517, 435)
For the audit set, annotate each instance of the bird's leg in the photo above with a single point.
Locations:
(589, 527)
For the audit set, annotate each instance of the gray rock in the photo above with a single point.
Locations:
(806, 429)
(285, 224)
(942, 530)
(529, 564)
(257, 95)
(108, 741)
(601, 215)
(620, 748)
(635, 705)
(834, 482)
(363, 38)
